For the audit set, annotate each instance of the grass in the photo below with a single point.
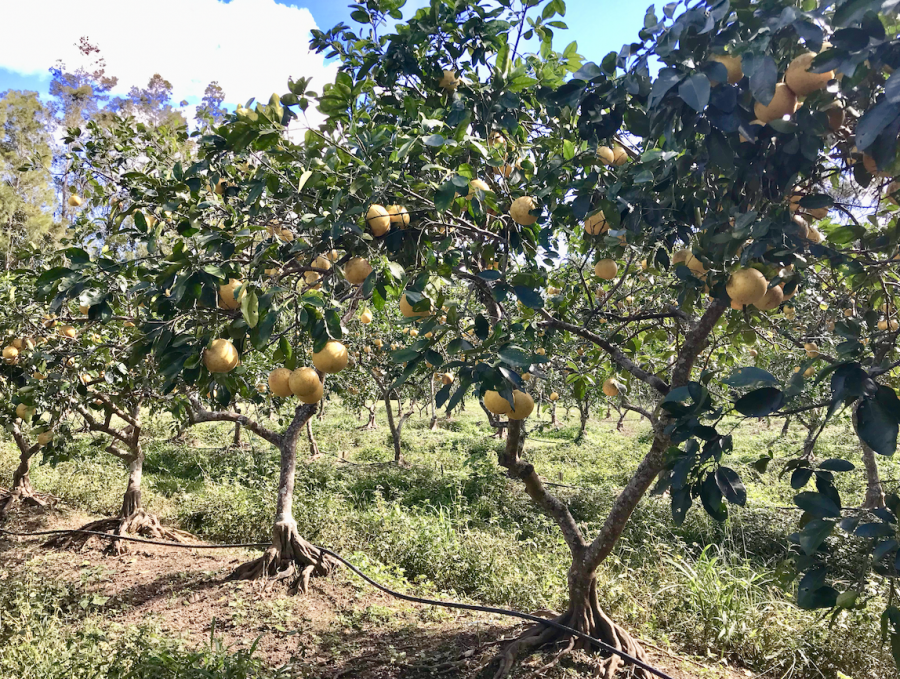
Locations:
(452, 524)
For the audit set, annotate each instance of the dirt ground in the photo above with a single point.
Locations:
(341, 628)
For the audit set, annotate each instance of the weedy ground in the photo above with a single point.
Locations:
(712, 600)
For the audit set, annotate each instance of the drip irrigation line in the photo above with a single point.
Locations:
(128, 538)
(397, 595)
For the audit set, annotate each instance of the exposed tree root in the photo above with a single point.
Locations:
(16, 497)
(589, 619)
(139, 523)
(290, 558)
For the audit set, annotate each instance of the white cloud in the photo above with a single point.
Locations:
(250, 47)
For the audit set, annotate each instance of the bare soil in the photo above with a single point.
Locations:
(341, 628)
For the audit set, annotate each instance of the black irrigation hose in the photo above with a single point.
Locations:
(112, 536)
(405, 597)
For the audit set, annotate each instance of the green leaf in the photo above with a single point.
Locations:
(404, 355)
(817, 504)
(515, 356)
(764, 79)
(814, 534)
(444, 196)
(760, 402)
(333, 324)
(694, 91)
(878, 419)
(836, 465)
(529, 297)
(711, 498)
(731, 486)
(435, 141)
(250, 308)
(748, 376)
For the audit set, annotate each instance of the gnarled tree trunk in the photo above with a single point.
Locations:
(132, 518)
(290, 558)
(583, 612)
(20, 492)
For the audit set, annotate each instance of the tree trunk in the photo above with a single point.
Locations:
(132, 519)
(585, 414)
(874, 498)
(553, 421)
(290, 557)
(583, 612)
(236, 441)
(395, 430)
(433, 407)
(313, 446)
(20, 490)
(131, 502)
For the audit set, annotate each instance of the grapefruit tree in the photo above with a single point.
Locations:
(449, 155)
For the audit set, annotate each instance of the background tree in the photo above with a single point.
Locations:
(26, 190)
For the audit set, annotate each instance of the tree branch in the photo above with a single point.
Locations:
(197, 414)
(524, 472)
(614, 352)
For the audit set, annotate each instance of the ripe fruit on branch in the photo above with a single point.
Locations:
(732, 65)
(75, 200)
(449, 82)
(495, 403)
(305, 383)
(357, 270)
(220, 356)
(447, 378)
(378, 220)
(610, 387)
(554, 396)
(45, 437)
(801, 81)
(279, 382)
(523, 404)
(772, 299)
(521, 211)
(784, 103)
(477, 184)
(407, 309)
(695, 265)
(596, 224)
(67, 331)
(365, 317)
(399, 215)
(332, 358)
(746, 286)
(606, 269)
(24, 411)
(606, 155)
(811, 349)
(10, 354)
(227, 299)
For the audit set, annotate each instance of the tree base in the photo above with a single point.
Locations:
(289, 559)
(592, 621)
(874, 498)
(19, 497)
(139, 523)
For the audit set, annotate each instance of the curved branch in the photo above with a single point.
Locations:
(197, 414)
(524, 472)
(614, 352)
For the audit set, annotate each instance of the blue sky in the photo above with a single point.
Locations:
(250, 46)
